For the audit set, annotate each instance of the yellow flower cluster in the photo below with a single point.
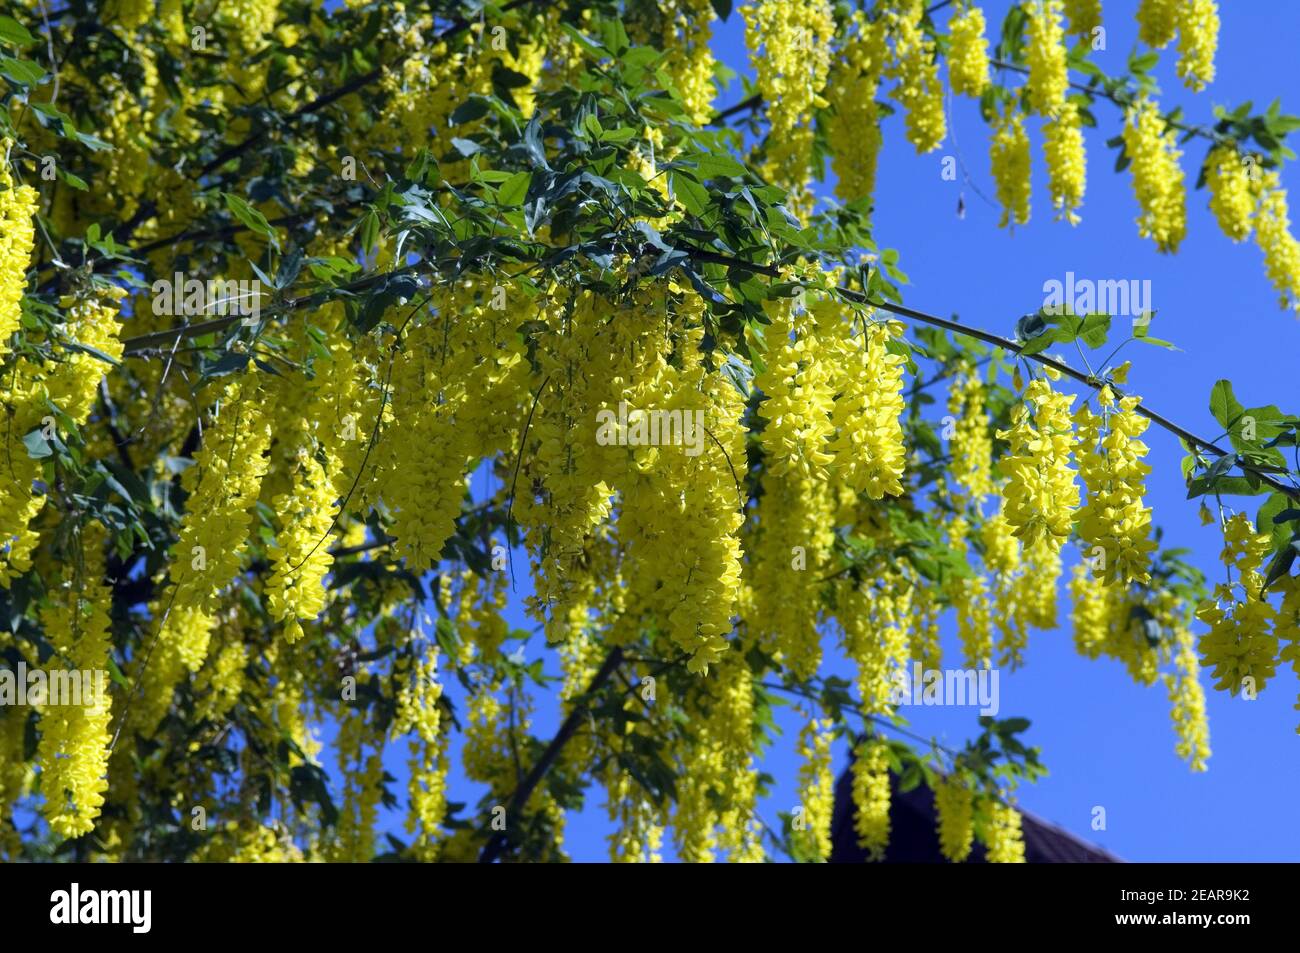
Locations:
(1040, 492)
(868, 445)
(689, 60)
(17, 206)
(1048, 76)
(871, 797)
(1157, 21)
(418, 715)
(955, 808)
(1067, 167)
(875, 623)
(70, 383)
(73, 750)
(968, 56)
(1198, 39)
(223, 484)
(1005, 842)
(1009, 157)
(1157, 177)
(1082, 16)
(1188, 702)
(919, 90)
(1280, 248)
(970, 447)
(300, 556)
(855, 136)
(811, 834)
(1241, 645)
(1114, 525)
(1231, 198)
(794, 38)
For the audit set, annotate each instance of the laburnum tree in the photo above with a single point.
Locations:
(280, 279)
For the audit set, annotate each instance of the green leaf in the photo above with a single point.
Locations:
(693, 196)
(514, 189)
(1224, 404)
(38, 448)
(21, 72)
(251, 218)
(14, 33)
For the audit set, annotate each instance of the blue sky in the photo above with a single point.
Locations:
(1106, 741)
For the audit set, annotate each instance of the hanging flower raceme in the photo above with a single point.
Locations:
(1009, 156)
(1187, 699)
(970, 446)
(794, 37)
(812, 828)
(1114, 525)
(1231, 198)
(1157, 21)
(954, 805)
(1082, 16)
(73, 750)
(1198, 39)
(419, 716)
(17, 234)
(968, 56)
(1040, 492)
(1067, 166)
(1005, 841)
(868, 444)
(300, 556)
(871, 797)
(1241, 645)
(855, 136)
(71, 384)
(1281, 249)
(1150, 144)
(919, 90)
(1048, 76)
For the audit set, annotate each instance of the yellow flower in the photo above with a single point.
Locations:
(1009, 156)
(1083, 16)
(1231, 199)
(1157, 177)
(955, 808)
(1198, 38)
(1241, 644)
(1040, 494)
(871, 797)
(919, 90)
(1114, 525)
(73, 750)
(1004, 839)
(1188, 701)
(1066, 162)
(1048, 78)
(811, 834)
(968, 58)
(854, 135)
(17, 234)
(970, 448)
(1157, 21)
(1280, 248)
